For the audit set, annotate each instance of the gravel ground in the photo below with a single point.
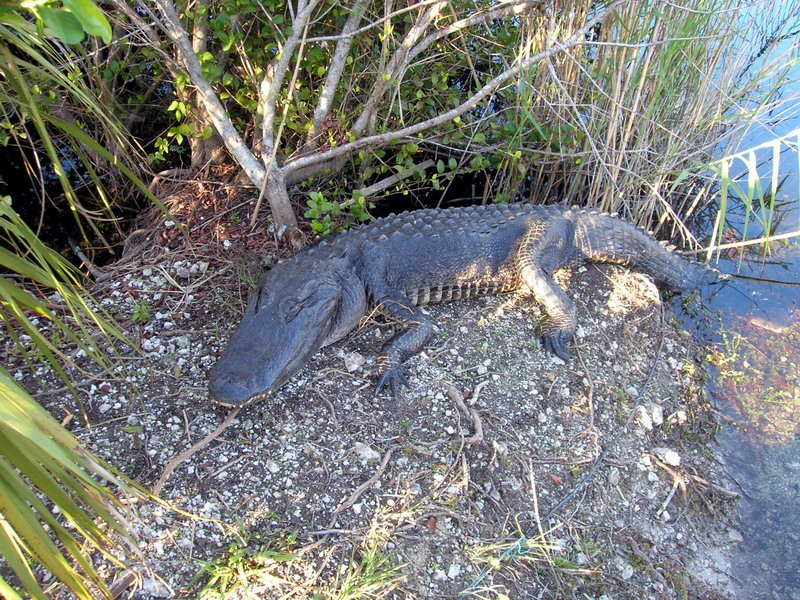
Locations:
(324, 491)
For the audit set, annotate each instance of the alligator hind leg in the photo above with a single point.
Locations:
(404, 344)
(560, 319)
(545, 249)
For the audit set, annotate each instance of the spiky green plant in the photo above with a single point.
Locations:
(56, 499)
(52, 492)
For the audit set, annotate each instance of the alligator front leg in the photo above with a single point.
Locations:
(417, 330)
(560, 316)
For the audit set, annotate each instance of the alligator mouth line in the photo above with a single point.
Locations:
(248, 402)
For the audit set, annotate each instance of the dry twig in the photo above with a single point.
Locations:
(170, 467)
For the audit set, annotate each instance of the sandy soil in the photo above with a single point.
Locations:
(501, 472)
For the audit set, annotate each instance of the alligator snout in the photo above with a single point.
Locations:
(231, 389)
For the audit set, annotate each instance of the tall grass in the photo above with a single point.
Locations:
(739, 178)
(622, 122)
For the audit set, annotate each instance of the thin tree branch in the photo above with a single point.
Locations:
(373, 24)
(502, 10)
(273, 77)
(336, 68)
(216, 112)
(402, 173)
(313, 164)
(396, 66)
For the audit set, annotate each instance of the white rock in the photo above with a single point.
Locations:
(658, 415)
(643, 418)
(366, 453)
(613, 476)
(353, 362)
(670, 457)
(454, 571)
(735, 536)
(625, 570)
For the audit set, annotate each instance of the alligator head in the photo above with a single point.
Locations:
(297, 308)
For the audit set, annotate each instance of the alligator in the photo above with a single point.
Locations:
(397, 263)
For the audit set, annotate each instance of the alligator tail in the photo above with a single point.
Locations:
(602, 238)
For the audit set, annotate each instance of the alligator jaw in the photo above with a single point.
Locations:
(231, 404)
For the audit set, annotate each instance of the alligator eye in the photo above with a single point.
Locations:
(289, 308)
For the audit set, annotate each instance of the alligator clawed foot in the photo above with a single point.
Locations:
(557, 343)
(392, 375)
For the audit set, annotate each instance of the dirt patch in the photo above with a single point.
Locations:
(326, 491)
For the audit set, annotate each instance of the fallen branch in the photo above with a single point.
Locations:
(362, 488)
(170, 466)
(456, 396)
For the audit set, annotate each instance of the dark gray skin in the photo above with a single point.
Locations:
(400, 262)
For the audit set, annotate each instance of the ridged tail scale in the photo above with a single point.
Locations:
(603, 238)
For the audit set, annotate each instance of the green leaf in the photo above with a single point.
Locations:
(91, 17)
(63, 25)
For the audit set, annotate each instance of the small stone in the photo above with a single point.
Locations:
(643, 418)
(353, 362)
(735, 536)
(625, 570)
(439, 575)
(366, 453)
(613, 476)
(670, 457)
(104, 408)
(652, 476)
(542, 418)
(357, 508)
(658, 415)
(454, 571)
(272, 466)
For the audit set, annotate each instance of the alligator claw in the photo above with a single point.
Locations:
(392, 376)
(558, 343)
